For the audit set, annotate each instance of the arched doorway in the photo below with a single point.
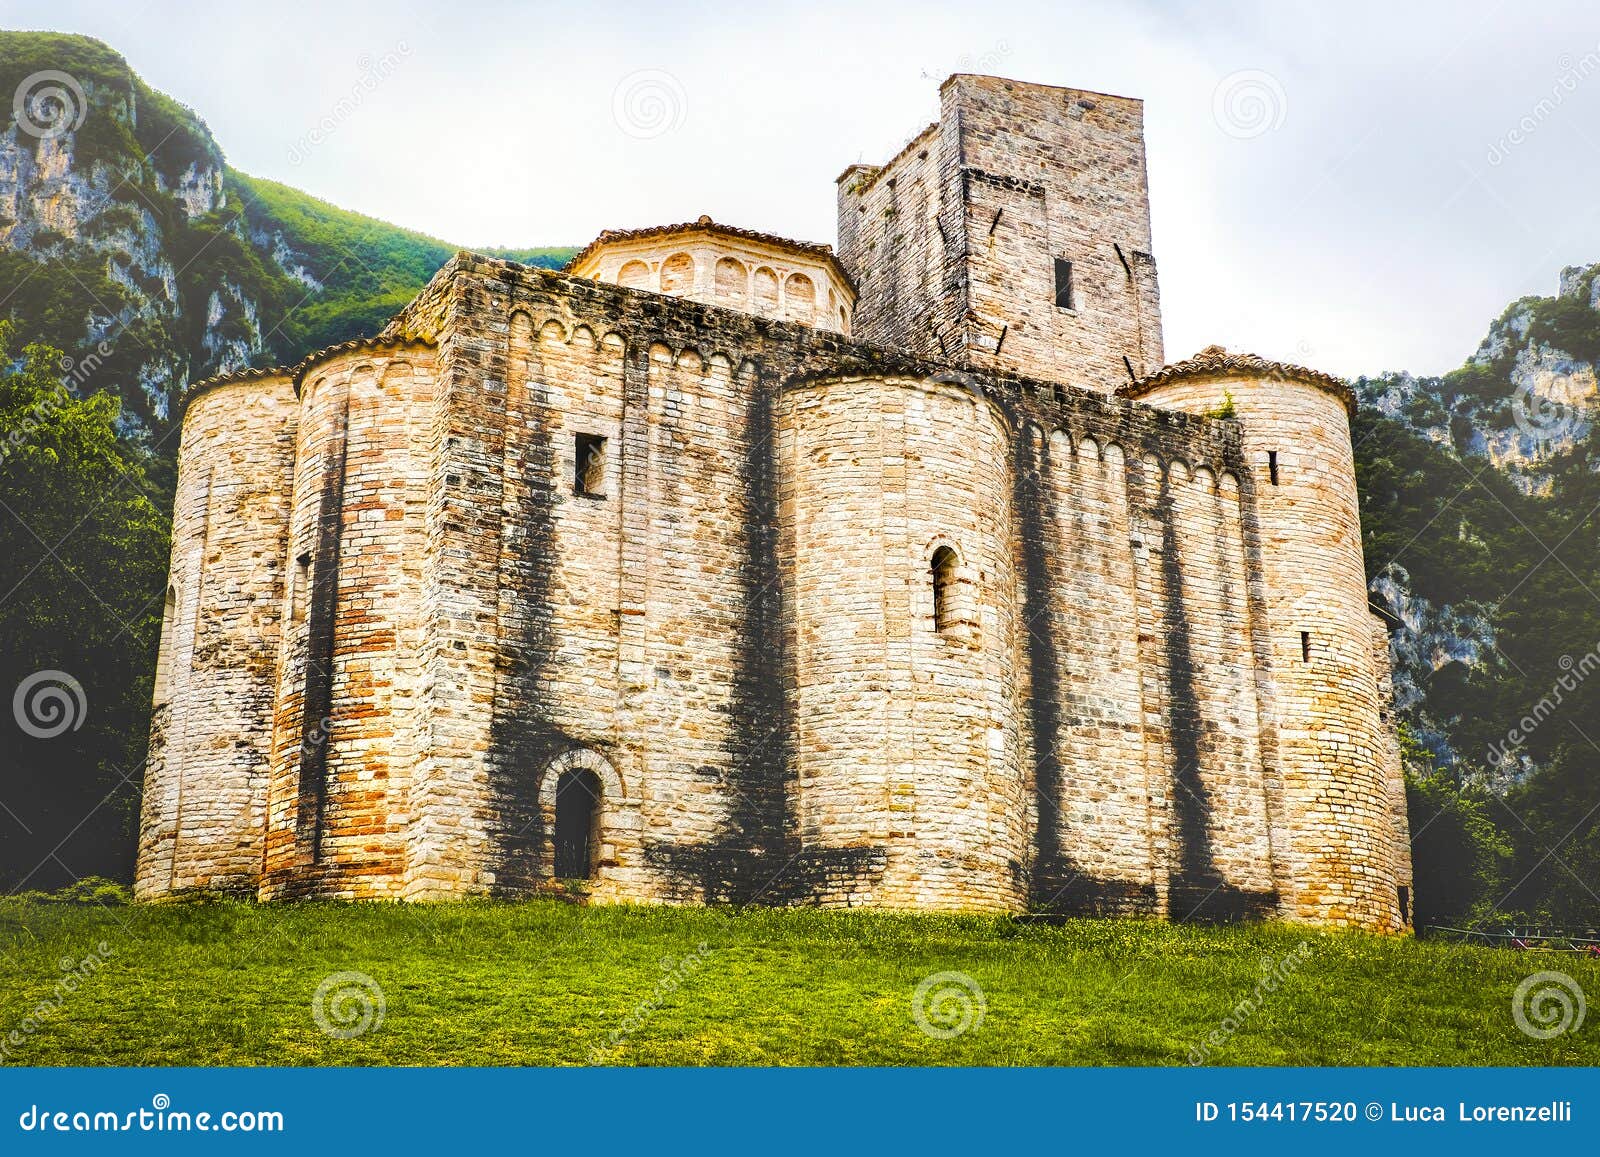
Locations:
(577, 823)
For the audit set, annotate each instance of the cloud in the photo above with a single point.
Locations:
(1362, 229)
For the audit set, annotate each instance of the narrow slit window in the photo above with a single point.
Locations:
(169, 617)
(1305, 646)
(943, 572)
(301, 580)
(589, 465)
(1064, 284)
(1272, 466)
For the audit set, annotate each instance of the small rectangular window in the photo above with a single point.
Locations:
(589, 465)
(1063, 283)
(1305, 646)
(1272, 466)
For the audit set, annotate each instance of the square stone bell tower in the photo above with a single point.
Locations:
(1011, 234)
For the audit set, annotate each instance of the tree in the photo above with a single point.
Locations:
(83, 554)
(1458, 853)
(1555, 818)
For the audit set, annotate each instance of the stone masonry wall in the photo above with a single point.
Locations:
(729, 624)
(895, 240)
(1392, 763)
(727, 268)
(908, 734)
(953, 243)
(1325, 733)
(1142, 677)
(716, 782)
(348, 726)
(205, 784)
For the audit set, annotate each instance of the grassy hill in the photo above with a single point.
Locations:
(367, 269)
(553, 984)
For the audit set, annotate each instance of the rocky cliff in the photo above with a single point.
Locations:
(1524, 400)
(1478, 486)
(127, 241)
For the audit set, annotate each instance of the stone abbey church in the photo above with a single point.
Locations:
(721, 567)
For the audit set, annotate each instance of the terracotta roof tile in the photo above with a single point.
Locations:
(1214, 361)
(707, 225)
(297, 372)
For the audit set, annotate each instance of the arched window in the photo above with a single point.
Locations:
(766, 290)
(677, 274)
(731, 279)
(942, 568)
(799, 299)
(577, 816)
(635, 275)
(299, 588)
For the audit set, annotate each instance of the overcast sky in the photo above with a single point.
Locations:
(1359, 187)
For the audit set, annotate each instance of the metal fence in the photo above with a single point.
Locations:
(1585, 940)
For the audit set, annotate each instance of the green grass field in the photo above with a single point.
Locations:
(548, 983)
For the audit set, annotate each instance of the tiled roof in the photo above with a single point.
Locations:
(707, 225)
(297, 372)
(1215, 362)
